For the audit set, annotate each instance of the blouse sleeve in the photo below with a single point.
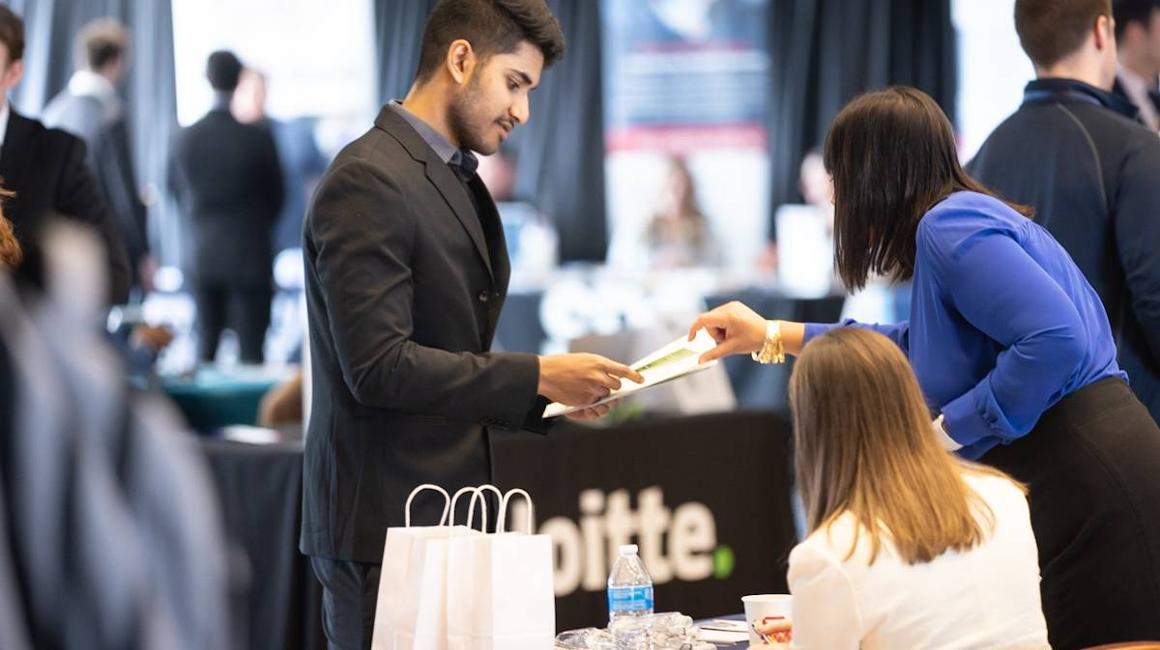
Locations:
(897, 332)
(1000, 290)
(825, 610)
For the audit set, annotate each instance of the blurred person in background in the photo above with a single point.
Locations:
(91, 109)
(678, 235)
(1138, 45)
(816, 186)
(227, 179)
(1011, 347)
(1074, 152)
(302, 161)
(877, 568)
(46, 171)
(141, 343)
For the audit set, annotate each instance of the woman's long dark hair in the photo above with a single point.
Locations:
(892, 156)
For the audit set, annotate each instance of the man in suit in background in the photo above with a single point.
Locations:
(406, 274)
(302, 162)
(90, 109)
(1138, 44)
(1075, 152)
(46, 170)
(228, 181)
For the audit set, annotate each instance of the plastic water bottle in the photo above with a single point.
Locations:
(630, 589)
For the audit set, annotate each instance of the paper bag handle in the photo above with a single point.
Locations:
(475, 494)
(501, 524)
(498, 499)
(427, 486)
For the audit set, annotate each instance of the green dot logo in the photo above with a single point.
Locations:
(724, 562)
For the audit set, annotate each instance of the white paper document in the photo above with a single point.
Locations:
(673, 361)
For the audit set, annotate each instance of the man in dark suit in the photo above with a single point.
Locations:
(1075, 152)
(228, 181)
(46, 170)
(91, 109)
(1138, 47)
(406, 274)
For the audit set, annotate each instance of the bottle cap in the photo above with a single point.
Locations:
(628, 549)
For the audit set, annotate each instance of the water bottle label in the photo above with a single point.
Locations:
(630, 599)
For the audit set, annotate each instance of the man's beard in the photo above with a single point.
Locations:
(464, 107)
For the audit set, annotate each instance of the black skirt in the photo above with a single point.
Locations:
(1092, 464)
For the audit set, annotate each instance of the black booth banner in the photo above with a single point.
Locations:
(706, 498)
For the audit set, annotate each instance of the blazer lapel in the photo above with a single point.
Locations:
(441, 176)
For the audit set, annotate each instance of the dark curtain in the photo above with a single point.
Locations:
(398, 33)
(825, 52)
(561, 149)
(560, 152)
(149, 89)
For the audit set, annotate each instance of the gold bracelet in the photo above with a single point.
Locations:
(772, 350)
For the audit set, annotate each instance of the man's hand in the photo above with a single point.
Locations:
(593, 413)
(579, 379)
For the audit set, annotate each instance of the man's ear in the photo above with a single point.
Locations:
(1105, 32)
(461, 60)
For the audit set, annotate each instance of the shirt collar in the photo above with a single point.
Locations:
(443, 148)
(85, 83)
(1141, 92)
(1053, 89)
(221, 101)
(4, 111)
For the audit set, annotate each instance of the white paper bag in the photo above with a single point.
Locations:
(410, 613)
(499, 588)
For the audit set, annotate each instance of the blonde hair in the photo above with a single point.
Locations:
(864, 445)
(10, 253)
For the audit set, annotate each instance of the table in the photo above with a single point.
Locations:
(707, 498)
(213, 397)
(260, 488)
(744, 645)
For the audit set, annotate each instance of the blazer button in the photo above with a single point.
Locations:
(483, 296)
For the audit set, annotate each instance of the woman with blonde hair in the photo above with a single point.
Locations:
(908, 546)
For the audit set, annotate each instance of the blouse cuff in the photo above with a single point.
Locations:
(967, 421)
(813, 330)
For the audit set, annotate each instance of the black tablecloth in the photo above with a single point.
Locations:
(719, 482)
(260, 487)
(732, 467)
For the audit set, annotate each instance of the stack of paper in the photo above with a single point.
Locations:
(673, 361)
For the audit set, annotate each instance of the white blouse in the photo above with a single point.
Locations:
(987, 597)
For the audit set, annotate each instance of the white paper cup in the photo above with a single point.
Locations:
(761, 609)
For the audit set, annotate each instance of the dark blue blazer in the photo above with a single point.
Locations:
(1076, 154)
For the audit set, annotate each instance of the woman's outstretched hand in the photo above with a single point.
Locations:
(736, 328)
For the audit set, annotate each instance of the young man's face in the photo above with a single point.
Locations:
(1152, 39)
(10, 71)
(494, 99)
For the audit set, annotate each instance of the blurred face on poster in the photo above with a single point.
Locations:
(492, 97)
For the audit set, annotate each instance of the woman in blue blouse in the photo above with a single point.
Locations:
(1012, 349)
